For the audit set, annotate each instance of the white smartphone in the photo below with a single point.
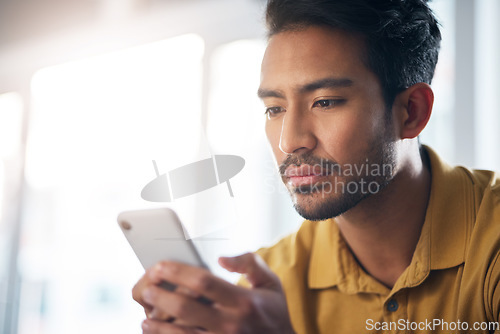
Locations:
(158, 235)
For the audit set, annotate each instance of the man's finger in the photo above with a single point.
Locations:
(157, 314)
(200, 281)
(147, 279)
(159, 327)
(183, 307)
(254, 268)
(137, 293)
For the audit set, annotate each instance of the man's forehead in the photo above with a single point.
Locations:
(320, 37)
(309, 55)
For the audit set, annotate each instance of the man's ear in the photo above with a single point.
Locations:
(412, 109)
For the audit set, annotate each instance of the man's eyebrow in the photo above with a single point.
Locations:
(309, 87)
(326, 83)
(262, 93)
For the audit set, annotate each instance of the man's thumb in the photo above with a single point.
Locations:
(254, 268)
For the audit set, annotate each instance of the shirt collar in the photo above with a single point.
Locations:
(450, 213)
(442, 242)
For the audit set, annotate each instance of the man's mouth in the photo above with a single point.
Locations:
(304, 175)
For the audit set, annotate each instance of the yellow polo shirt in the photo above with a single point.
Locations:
(451, 285)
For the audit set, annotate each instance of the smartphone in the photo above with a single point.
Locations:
(158, 235)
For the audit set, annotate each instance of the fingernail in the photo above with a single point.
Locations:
(164, 270)
(169, 269)
(158, 267)
(227, 259)
(147, 295)
(154, 273)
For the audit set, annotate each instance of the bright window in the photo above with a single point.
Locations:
(11, 112)
(95, 128)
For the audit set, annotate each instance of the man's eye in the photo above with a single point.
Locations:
(273, 111)
(327, 103)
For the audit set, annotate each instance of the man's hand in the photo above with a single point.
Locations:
(261, 309)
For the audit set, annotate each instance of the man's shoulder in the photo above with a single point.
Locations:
(485, 194)
(483, 181)
(483, 238)
(462, 192)
(486, 182)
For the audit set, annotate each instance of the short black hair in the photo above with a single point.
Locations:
(402, 36)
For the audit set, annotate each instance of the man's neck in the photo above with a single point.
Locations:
(382, 231)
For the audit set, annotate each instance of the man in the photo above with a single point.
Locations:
(396, 241)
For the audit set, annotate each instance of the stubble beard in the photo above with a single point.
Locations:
(314, 203)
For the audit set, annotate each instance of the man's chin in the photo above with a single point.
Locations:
(315, 207)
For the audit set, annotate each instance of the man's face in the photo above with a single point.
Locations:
(327, 121)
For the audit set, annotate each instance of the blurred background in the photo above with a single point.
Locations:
(92, 91)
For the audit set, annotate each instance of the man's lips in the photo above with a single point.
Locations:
(303, 170)
(304, 174)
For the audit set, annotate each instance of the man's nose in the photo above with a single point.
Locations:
(296, 132)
